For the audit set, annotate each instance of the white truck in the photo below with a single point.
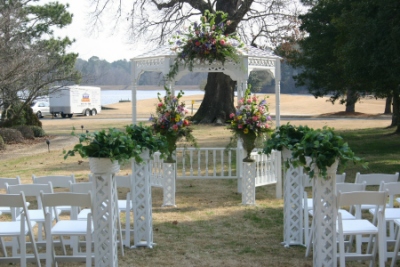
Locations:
(75, 99)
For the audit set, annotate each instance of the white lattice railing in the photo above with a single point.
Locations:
(219, 163)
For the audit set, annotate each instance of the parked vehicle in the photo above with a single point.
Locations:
(70, 100)
(41, 108)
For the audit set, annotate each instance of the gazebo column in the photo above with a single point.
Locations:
(278, 92)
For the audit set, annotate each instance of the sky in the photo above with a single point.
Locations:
(108, 43)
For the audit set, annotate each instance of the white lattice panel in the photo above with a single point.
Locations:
(293, 211)
(248, 183)
(324, 219)
(169, 173)
(156, 173)
(105, 218)
(142, 205)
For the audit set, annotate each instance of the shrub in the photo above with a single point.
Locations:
(26, 131)
(2, 144)
(11, 136)
(37, 131)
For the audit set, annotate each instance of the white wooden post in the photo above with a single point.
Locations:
(105, 211)
(169, 178)
(324, 219)
(293, 198)
(142, 205)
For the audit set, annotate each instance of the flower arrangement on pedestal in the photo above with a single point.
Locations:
(170, 121)
(250, 121)
(205, 41)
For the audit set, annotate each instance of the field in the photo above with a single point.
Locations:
(209, 226)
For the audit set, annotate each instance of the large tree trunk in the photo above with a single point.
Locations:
(388, 105)
(351, 99)
(218, 100)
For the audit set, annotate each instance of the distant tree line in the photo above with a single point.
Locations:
(96, 71)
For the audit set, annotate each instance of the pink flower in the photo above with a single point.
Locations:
(175, 127)
(248, 101)
(240, 126)
(255, 118)
(160, 104)
(222, 42)
(231, 115)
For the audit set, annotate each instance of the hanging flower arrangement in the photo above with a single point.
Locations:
(171, 122)
(205, 41)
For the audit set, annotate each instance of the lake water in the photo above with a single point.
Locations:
(114, 96)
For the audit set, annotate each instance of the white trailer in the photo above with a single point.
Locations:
(70, 100)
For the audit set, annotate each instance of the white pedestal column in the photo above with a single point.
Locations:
(142, 205)
(105, 211)
(324, 219)
(293, 198)
(169, 178)
(249, 183)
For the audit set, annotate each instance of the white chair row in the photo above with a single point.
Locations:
(45, 186)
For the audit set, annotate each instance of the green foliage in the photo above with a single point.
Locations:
(2, 144)
(323, 147)
(113, 144)
(145, 139)
(37, 131)
(285, 136)
(26, 131)
(11, 136)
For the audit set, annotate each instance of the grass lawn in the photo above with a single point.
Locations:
(209, 226)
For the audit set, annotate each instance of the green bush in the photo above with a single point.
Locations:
(26, 131)
(16, 116)
(11, 136)
(37, 131)
(2, 144)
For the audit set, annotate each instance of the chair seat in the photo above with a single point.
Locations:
(36, 215)
(390, 213)
(69, 227)
(345, 214)
(13, 228)
(358, 227)
(122, 205)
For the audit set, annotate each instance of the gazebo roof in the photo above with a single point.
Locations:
(165, 51)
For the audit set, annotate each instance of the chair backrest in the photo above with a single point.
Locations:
(340, 178)
(9, 181)
(358, 198)
(31, 190)
(123, 181)
(76, 200)
(350, 187)
(82, 187)
(376, 178)
(392, 190)
(62, 181)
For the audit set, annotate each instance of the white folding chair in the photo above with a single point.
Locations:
(308, 204)
(372, 179)
(125, 206)
(9, 181)
(360, 226)
(397, 245)
(346, 215)
(33, 190)
(18, 229)
(391, 213)
(58, 182)
(71, 227)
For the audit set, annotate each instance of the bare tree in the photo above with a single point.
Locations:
(260, 23)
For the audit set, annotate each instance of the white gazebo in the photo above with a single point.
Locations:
(252, 59)
(160, 60)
